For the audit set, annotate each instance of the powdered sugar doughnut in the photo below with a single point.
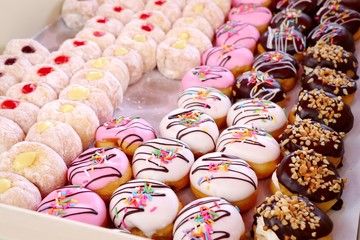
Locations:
(115, 10)
(193, 127)
(21, 112)
(84, 48)
(59, 136)
(16, 66)
(197, 22)
(111, 25)
(7, 80)
(169, 7)
(75, 13)
(135, 5)
(17, 191)
(68, 61)
(28, 48)
(38, 163)
(10, 133)
(156, 18)
(224, 5)
(102, 38)
(79, 116)
(175, 57)
(143, 27)
(163, 159)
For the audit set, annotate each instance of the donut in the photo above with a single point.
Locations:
(257, 84)
(311, 175)
(16, 66)
(209, 218)
(17, 191)
(281, 65)
(195, 128)
(313, 135)
(209, 76)
(224, 5)
(218, 174)
(146, 208)
(197, 22)
(166, 160)
(86, 49)
(258, 113)
(155, 17)
(353, 4)
(36, 162)
(115, 10)
(135, 5)
(75, 203)
(7, 80)
(323, 107)
(257, 147)
(74, 13)
(307, 6)
(264, 3)
(59, 136)
(101, 170)
(256, 15)
(102, 38)
(144, 27)
(10, 133)
(293, 18)
(111, 25)
(295, 217)
(237, 33)
(169, 7)
(127, 133)
(68, 61)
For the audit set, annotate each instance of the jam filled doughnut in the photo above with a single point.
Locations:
(167, 160)
(307, 6)
(313, 135)
(293, 18)
(10, 133)
(84, 48)
(311, 175)
(217, 175)
(75, 13)
(168, 7)
(209, 218)
(197, 22)
(257, 84)
(155, 17)
(141, 26)
(68, 61)
(7, 80)
(111, 25)
(290, 217)
(16, 66)
(115, 10)
(102, 38)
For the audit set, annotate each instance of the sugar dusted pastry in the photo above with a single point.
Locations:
(35, 93)
(68, 61)
(75, 13)
(59, 136)
(102, 38)
(197, 22)
(16, 66)
(27, 48)
(79, 116)
(17, 191)
(7, 80)
(175, 57)
(166, 160)
(169, 7)
(10, 133)
(115, 10)
(103, 80)
(140, 26)
(111, 25)
(50, 74)
(21, 112)
(84, 48)
(222, 219)
(224, 5)
(135, 5)
(155, 17)
(38, 163)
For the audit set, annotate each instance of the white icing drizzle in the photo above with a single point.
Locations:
(284, 63)
(278, 39)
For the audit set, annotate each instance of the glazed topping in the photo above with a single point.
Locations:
(307, 6)
(292, 18)
(120, 121)
(28, 49)
(28, 88)
(62, 203)
(78, 43)
(62, 59)
(44, 71)
(10, 61)
(332, 52)
(190, 119)
(9, 104)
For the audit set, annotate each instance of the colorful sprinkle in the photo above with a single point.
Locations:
(165, 155)
(62, 202)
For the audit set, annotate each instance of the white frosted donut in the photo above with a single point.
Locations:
(155, 17)
(68, 61)
(169, 7)
(7, 80)
(75, 13)
(10, 133)
(102, 38)
(140, 26)
(84, 48)
(135, 5)
(117, 11)
(14, 65)
(107, 24)
(198, 22)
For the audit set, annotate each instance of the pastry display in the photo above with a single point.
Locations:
(86, 49)
(10, 133)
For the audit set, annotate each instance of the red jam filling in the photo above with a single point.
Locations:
(44, 71)
(118, 9)
(98, 34)
(160, 2)
(28, 88)
(145, 15)
(9, 104)
(79, 43)
(61, 59)
(10, 61)
(1, 74)
(147, 27)
(102, 20)
(28, 49)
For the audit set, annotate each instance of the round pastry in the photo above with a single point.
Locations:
(191, 35)
(10, 133)
(50, 74)
(281, 65)
(169, 7)
(75, 203)
(313, 135)
(27, 48)
(331, 33)
(21, 112)
(295, 217)
(166, 160)
(7, 80)
(84, 48)
(331, 56)
(256, 15)
(323, 107)
(257, 84)
(286, 39)
(146, 208)
(209, 218)
(36, 93)
(259, 113)
(236, 58)
(209, 76)
(132, 59)
(207, 100)
(195, 128)
(127, 133)
(68, 61)
(197, 22)
(307, 6)
(140, 26)
(135, 5)
(102, 38)
(218, 175)
(175, 57)
(254, 145)
(311, 175)
(16, 66)
(79, 116)
(293, 18)
(103, 80)
(115, 10)
(206, 9)
(332, 81)
(60, 137)
(224, 5)
(101, 170)
(17, 191)
(106, 24)
(156, 18)
(38, 163)
(237, 33)
(75, 13)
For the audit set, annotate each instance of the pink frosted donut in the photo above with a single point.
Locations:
(75, 203)
(251, 13)
(238, 33)
(101, 170)
(236, 58)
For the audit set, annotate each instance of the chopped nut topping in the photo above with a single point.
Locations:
(333, 53)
